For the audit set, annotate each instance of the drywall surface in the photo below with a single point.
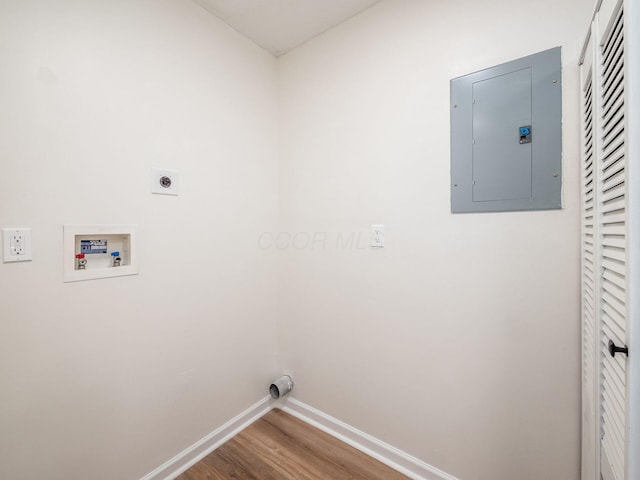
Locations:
(108, 379)
(458, 342)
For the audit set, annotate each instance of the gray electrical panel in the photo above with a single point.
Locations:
(506, 136)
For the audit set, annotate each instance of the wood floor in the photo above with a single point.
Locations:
(281, 447)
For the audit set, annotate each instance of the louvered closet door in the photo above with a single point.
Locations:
(589, 269)
(611, 198)
(605, 252)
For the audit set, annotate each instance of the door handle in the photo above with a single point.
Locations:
(613, 349)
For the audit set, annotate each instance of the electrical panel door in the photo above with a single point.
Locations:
(501, 165)
(506, 136)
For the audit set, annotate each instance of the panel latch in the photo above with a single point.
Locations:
(525, 134)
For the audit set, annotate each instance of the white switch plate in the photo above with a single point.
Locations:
(377, 235)
(164, 182)
(16, 244)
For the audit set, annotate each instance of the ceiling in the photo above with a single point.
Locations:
(281, 25)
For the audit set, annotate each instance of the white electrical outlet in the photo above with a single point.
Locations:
(164, 182)
(377, 235)
(16, 244)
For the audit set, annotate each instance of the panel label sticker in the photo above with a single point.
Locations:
(93, 246)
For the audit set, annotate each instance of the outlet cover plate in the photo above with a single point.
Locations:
(164, 182)
(16, 245)
(377, 235)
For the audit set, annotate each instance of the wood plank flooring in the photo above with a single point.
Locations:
(281, 447)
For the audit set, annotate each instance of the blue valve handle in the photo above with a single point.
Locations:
(524, 131)
(115, 254)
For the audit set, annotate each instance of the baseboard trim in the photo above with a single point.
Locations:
(196, 452)
(397, 459)
(404, 463)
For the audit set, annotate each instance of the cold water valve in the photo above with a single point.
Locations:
(116, 259)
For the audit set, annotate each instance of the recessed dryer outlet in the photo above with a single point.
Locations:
(99, 251)
(164, 182)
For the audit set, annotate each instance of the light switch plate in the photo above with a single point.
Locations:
(377, 235)
(164, 182)
(16, 245)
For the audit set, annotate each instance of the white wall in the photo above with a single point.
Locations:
(108, 379)
(459, 341)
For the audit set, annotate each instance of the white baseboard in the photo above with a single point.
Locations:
(196, 452)
(385, 453)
